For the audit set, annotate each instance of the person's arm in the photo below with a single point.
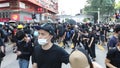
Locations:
(73, 36)
(34, 65)
(3, 49)
(78, 36)
(96, 65)
(107, 62)
(91, 42)
(64, 36)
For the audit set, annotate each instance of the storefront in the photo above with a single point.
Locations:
(22, 10)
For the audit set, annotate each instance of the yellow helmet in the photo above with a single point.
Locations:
(20, 26)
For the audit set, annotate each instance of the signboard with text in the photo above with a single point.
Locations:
(15, 17)
(4, 19)
(51, 5)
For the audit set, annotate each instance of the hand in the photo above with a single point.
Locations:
(18, 53)
(78, 39)
(62, 39)
(89, 45)
(27, 39)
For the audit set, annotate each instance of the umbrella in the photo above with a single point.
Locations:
(12, 21)
(71, 21)
(2, 23)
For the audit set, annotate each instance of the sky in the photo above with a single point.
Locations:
(70, 7)
(117, 1)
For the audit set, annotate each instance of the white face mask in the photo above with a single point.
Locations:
(42, 42)
(90, 29)
(36, 34)
(111, 30)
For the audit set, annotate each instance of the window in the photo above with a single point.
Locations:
(6, 15)
(3, 14)
(0, 15)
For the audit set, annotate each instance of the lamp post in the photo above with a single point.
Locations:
(98, 15)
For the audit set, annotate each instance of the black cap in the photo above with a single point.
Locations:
(47, 27)
(117, 28)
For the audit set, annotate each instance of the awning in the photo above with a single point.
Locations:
(12, 21)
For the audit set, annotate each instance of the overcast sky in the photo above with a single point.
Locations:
(70, 7)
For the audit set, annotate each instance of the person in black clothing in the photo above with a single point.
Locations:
(2, 47)
(2, 51)
(114, 39)
(24, 49)
(61, 32)
(91, 44)
(47, 54)
(102, 35)
(113, 56)
(85, 38)
(67, 38)
(76, 38)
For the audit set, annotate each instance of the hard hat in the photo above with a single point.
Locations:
(20, 26)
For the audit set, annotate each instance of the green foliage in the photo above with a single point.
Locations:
(85, 19)
(117, 5)
(106, 7)
(66, 19)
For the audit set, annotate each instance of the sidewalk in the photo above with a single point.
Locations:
(9, 60)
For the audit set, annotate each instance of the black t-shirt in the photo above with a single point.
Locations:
(102, 29)
(91, 35)
(75, 37)
(52, 58)
(114, 56)
(25, 48)
(1, 42)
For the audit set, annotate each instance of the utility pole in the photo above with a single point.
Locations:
(98, 15)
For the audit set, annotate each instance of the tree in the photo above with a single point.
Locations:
(106, 7)
(117, 5)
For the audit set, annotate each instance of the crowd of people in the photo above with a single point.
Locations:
(39, 42)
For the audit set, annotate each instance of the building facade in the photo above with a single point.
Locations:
(22, 10)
